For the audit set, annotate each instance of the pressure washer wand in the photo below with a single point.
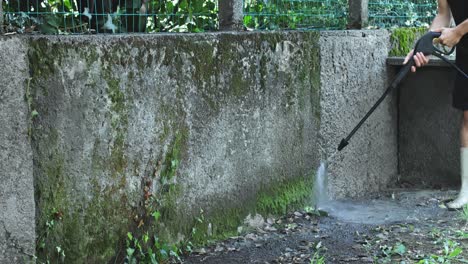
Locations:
(401, 75)
(424, 45)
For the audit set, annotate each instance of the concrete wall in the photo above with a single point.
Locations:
(353, 76)
(17, 225)
(229, 123)
(212, 122)
(429, 129)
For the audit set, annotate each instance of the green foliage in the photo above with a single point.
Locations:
(389, 251)
(183, 16)
(403, 39)
(449, 254)
(151, 248)
(294, 14)
(401, 13)
(285, 195)
(67, 16)
(50, 252)
(318, 257)
(147, 249)
(464, 213)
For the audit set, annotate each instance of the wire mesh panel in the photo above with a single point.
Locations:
(109, 16)
(295, 14)
(401, 13)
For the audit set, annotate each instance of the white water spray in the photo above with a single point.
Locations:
(320, 186)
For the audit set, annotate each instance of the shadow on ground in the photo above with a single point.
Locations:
(400, 226)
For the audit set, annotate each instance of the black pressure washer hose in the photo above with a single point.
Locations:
(424, 45)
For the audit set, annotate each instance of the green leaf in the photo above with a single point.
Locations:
(47, 29)
(130, 252)
(156, 215)
(130, 236)
(153, 259)
(455, 252)
(163, 254)
(400, 249)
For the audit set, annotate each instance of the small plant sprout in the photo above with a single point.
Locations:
(318, 257)
(464, 213)
(450, 254)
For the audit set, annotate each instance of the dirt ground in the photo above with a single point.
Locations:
(400, 226)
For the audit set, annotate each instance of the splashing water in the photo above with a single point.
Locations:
(366, 211)
(320, 185)
(320, 188)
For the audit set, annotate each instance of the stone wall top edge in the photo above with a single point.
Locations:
(355, 33)
(208, 35)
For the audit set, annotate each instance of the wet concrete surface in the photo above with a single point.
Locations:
(354, 231)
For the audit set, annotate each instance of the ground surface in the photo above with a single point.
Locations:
(398, 227)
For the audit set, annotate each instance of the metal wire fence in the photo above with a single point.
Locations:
(407, 13)
(109, 16)
(295, 14)
(123, 16)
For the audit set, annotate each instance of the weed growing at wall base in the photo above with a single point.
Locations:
(318, 257)
(51, 252)
(149, 248)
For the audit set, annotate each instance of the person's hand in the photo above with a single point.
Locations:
(449, 36)
(419, 60)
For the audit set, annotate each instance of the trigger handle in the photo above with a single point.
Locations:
(435, 34)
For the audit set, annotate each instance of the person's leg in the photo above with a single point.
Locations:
(464, 130)
(463, 195)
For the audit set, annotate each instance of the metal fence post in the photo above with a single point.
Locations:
(230, 15)
(358, 14)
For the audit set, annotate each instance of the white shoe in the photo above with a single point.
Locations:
(463, 195)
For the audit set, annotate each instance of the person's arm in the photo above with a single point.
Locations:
(451, 36)
(463, 28)
(441, 21)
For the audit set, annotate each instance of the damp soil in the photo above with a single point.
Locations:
(399, 226)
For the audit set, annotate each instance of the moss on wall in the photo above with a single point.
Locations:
(86, 226)
(92, 211)
(285, 196)
(222, 221)
(402, 40)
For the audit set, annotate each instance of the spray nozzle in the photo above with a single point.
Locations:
(342, 144)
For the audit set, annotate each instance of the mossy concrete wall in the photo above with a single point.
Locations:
(17, 226)
(227, 123)
(128, 125)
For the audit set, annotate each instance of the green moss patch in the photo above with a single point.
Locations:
(285, 196)
(403, 39)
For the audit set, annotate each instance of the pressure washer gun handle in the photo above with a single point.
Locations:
(424, 45)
